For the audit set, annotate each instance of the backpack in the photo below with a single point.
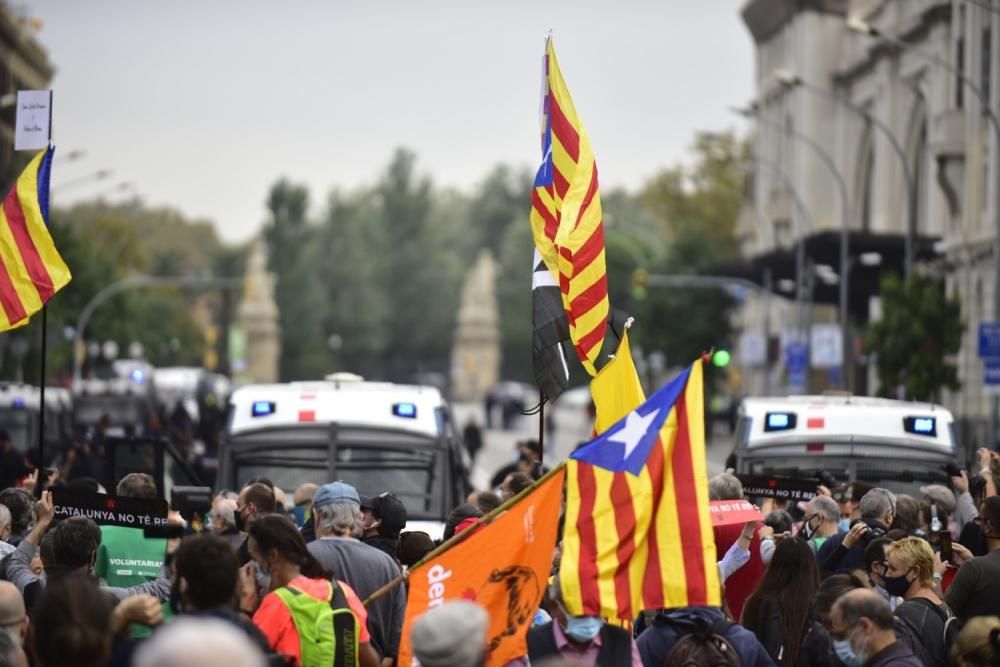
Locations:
(911, 636)
(706, 646)
(328, 629)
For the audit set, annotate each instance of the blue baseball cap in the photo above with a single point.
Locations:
(335, 492)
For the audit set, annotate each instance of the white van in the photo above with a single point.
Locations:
(376, 436)
(896, 444)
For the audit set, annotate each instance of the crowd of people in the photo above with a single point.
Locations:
(855, 576)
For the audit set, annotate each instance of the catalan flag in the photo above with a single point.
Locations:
(638, 533)
(31, 270)
(566, 217)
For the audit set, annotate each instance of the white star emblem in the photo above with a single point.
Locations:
(634, 430)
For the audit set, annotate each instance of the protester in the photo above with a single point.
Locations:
(303, 498)
(978, 644)
(11, 652)
(944, 500)
(965, 505)
(844, 552)
(779, 612)
(861, 625)
(909, 575)
(669, 626)
(907, 519)
(13, 616)
(21, 506)
(741, 583)
(486, 501)
(777, 526)
(587, 638)
(206, 584)
(199, 643)
(820, 521)
(5, 529)
(223, 521)
(72, 624)
(125, 556)
(255, 500)
(451, 635)
(337, 517)
(528, 451)
(383, 518)
(830, 590)
(975, 591)
(457, 516)
(738, 554)
(301, 593)
(875, 568)
(413, 546)
(515, 484)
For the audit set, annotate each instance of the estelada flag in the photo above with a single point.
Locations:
(638, 532)
(31, 269)
(504, 567)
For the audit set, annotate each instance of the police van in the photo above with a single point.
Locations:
(375, 436)
(19, 407)
(899, 445)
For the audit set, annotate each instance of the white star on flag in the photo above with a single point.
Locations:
(634, 430)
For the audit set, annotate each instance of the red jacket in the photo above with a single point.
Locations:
(744, 581)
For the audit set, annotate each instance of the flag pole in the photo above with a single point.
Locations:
(541, 427)
(41, 392)
(461, 537)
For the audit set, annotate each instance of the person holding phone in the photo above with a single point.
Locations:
(976, 588)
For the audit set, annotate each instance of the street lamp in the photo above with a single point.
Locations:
(863, 27)
(754, 112)
(791, 80)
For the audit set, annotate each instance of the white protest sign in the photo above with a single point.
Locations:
(33, 127)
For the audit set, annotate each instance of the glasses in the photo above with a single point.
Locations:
(879, 567)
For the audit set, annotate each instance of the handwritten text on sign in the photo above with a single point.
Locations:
(108, 510)
(34, 116)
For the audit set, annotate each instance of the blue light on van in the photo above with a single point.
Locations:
(407, 410)
(926, 426)
(779, 421)
(262, 408)
(17, 404)
(138, 376)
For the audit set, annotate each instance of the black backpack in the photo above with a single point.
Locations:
(705, 646)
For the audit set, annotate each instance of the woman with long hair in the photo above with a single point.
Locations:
(279, 551)
(780, 611)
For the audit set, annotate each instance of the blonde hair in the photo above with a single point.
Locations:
(978, 644)
(914, 553)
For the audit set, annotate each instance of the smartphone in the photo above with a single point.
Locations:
(42, 481)
(952, 470)
(944, 541)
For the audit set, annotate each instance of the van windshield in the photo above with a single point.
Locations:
(413, 471)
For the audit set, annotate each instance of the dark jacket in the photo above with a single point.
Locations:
(835, 558)
(894, 655)
(655, 643)
(815, 647)
(389, 545)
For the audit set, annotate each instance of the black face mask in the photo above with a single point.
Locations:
(240, 523)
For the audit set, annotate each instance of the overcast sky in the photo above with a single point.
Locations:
(202, 105)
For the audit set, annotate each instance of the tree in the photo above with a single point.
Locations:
(921, 327)
(300, 297)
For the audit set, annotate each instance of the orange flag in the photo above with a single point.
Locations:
(503, 567)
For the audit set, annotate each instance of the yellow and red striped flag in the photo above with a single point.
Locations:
(31, 269)
(566, 217)
(638, 533)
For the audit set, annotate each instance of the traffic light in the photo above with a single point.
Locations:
(639, 277)
(721, 358)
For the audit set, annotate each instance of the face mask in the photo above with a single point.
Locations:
(238, 520)
(807, 528)
(263, 568)
(846, 654)
(583, 628)
(897, 586)
(844, 525)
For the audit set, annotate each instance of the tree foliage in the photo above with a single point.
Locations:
(921, 327)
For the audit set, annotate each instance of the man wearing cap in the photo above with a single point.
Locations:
(336, 513)
(383, 519)
(452, 635)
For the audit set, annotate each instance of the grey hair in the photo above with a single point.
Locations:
(226, 510)
(827, 508)
(338, 519)
(863, 603)
(877, 503)
(5, 517)
(725, 486)
(205, 641)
